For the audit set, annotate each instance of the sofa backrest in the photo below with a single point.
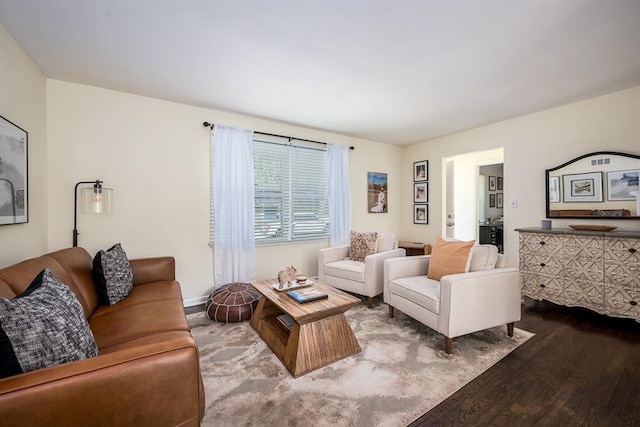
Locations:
(72, 266)
(386, 241)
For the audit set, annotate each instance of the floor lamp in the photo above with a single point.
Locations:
(93, 200)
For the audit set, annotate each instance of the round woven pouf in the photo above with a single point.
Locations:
(234, 302)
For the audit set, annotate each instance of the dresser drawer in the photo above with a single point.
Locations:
(540, 264)
(539, 243)
(621, 274)
(584, 269)
(581, 247)
(622, 301)
(622, 250)
(539, 286)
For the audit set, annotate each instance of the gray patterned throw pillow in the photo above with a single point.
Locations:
(112, 275)
(44, 326)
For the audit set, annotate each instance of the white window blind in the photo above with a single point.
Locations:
(291, 199)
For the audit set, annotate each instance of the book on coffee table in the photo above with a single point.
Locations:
(286, 321)
(307, 295)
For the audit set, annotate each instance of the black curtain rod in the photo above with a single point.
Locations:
(210, 125)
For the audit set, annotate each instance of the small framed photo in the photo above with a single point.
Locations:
(623, 185)
(499, 201)
(421, 192)
(492, 183)
(492, 200)
(421, 171)
(582, 187)
(421, 214)
(500, 183)
(554, 189)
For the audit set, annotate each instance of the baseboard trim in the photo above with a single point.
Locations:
(192, 302)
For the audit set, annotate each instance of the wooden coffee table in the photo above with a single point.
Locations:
(320, 334)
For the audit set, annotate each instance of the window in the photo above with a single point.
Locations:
(291, 195)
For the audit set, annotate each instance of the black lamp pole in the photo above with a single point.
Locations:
(97, 187)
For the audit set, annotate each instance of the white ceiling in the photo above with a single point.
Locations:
(396, 71)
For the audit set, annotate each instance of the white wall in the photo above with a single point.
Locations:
(23, 102)
(155, 155)
(531, 144)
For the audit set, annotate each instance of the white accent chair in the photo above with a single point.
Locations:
(362, 278)
(485, 297)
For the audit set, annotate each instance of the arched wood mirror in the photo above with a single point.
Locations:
(600, 185)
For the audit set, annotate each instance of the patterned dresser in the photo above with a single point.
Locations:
(596, 270)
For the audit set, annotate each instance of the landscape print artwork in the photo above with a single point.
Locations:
(377, 192)
(13, 173)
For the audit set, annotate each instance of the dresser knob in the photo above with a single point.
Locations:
(542, 285)
(633, 250)
(543, 243)
(633, 303)
(542, 264)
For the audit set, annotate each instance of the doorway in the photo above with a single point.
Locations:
(463, 176)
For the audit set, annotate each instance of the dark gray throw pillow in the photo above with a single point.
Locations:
(112, 275)
(44, 326)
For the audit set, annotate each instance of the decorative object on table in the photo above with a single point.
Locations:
(421, 214)
(94, 199)
(590, 227)
(545, 224)
(301, 279)
(233, 302)
(421, 171)
(287, 277)
(307, 295)
(377, 192)
(14, 207)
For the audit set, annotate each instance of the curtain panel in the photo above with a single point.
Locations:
(232, 187)
(339, 194)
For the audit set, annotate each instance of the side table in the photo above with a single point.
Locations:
(415, 248)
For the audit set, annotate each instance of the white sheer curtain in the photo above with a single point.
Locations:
(232, 187)
(339, 194)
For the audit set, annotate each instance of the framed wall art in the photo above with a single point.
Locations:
(421, 171)
(492, 200)
(582, 187)
(499, 201)
(554, 189)
(377, 192)
(421, 214)
(623, 185)
(421, 192)
(500, 181)
(14, 207)
(492, 183)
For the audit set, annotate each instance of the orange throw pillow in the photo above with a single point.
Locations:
(449, 258)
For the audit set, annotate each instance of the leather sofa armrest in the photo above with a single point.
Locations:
(146, 270)
(153, 384)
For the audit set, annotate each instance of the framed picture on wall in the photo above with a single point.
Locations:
(421, 192)
(554, 189)
(421, 214)
(421, 171)
(582, 187)
(377, 195)
(500, 183)
(492, 200)
(492, 183)
(14, 208)
(623, 185)
(499, 201)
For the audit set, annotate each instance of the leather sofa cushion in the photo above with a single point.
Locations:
(418, 289)
(346, 269)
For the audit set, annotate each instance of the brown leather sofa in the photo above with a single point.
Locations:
(147, 371)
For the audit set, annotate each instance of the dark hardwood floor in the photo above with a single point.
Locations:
(581, 369)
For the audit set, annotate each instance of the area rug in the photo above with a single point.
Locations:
(401, 373)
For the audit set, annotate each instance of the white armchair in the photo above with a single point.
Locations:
(487, 296)
(362, 278)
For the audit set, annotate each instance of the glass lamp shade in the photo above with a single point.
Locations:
(96, 200)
